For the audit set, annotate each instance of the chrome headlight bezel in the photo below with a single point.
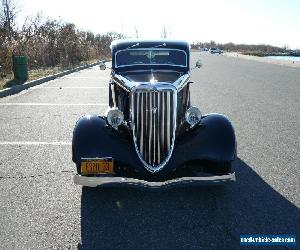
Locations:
(114, 117)
(193, 116)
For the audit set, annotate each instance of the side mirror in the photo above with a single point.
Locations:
(199, 64)
(102, 66)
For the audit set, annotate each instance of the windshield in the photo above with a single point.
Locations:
(129, 57)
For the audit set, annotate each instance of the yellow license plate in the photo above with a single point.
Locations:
(97, 166)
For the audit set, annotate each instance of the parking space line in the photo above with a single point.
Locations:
(61, 87)
(18, 143)
(87, 77)
(50, 104)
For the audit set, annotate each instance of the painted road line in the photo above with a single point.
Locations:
(26, 143)
(87, 77)
(46, 87)
(50, 104)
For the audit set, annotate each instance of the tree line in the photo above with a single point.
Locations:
(251, 49)
(47, 42)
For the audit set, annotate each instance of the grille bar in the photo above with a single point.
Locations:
(158, 129)
(154, 124)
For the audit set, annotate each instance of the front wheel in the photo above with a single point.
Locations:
(209, 167)
(223, 168)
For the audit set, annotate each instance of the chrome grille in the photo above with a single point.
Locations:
(154, 124)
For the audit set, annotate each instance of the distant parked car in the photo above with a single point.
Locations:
(203, 49)
(215, 51)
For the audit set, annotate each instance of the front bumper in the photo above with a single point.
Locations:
(136, 183)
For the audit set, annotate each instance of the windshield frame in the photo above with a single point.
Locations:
(152, 64)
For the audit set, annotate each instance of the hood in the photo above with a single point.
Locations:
(131, 80)
(152, 77)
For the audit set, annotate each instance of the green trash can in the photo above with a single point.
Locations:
(20, 68)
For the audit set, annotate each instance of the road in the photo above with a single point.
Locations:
(41, 208)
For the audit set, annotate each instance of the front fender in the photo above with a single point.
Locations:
(213, 139)
(92, 137)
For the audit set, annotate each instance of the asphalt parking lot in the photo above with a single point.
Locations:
(41, 208)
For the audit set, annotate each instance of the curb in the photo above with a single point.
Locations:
(18, 88)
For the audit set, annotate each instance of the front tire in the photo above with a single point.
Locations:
(223, 168)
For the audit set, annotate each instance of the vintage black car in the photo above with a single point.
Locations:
(151, 135)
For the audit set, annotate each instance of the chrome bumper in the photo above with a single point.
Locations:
(136, 183)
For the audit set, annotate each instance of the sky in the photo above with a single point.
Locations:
(275, 22)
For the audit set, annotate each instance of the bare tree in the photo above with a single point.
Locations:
(164, 33)
(136, 32)
(286, 47)
(8, 14)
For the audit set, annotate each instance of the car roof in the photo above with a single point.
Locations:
(143, 43)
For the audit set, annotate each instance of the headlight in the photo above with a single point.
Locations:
(115, 117)
(193, 116)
